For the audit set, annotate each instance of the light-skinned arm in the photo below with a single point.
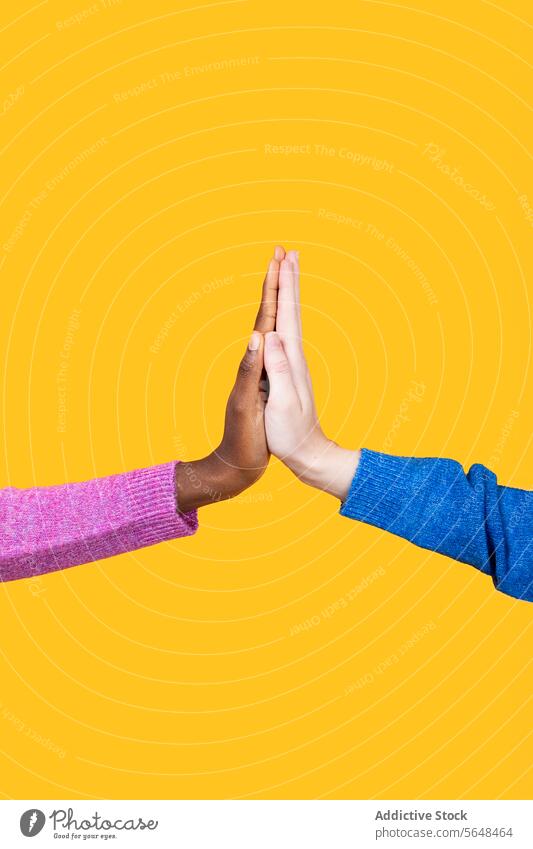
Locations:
(429, 501)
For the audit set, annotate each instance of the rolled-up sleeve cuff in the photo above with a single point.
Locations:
(154, 509)
(378, 493)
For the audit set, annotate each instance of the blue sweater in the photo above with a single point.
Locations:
(432, 503)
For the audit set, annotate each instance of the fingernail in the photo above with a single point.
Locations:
(255, 339)
(272, 339)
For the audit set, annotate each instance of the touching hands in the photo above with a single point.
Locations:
(281, 419)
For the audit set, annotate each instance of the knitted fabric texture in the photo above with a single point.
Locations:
(434, 504)
(48, 528)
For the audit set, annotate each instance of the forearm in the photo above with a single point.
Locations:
(434, 504)
(49, 528)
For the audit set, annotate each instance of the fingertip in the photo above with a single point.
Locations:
(279, 253)
(255, 341)
(286, 271)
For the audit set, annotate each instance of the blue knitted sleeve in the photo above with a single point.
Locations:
(434, 504)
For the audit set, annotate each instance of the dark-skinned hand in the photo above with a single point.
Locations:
(242, 456)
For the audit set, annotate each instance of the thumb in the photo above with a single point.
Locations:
(251, 365)
(278, 369)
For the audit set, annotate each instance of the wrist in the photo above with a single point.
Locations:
(199, 482)
(328, 467)
(206, 481)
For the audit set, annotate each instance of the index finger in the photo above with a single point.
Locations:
(266, 317)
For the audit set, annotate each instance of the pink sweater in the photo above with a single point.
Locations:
(49, 528)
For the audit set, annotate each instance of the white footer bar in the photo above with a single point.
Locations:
(267, 824)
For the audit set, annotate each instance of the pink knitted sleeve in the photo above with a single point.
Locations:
(49, 528)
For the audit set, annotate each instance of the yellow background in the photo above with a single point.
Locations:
(141, 197)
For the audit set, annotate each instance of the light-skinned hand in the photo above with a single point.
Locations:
(293, 431)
